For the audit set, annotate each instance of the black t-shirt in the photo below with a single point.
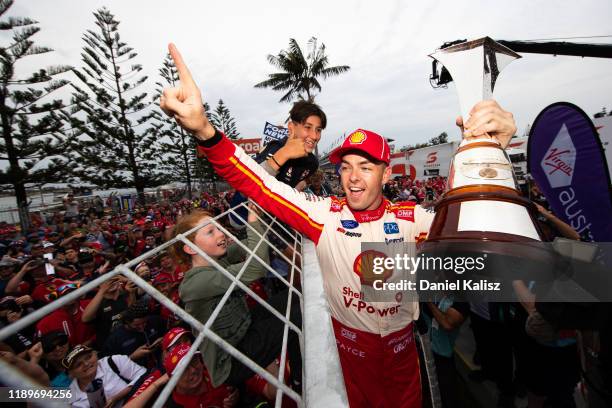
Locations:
(291, 173)
(294, 170)
(125, 341)
(20, 341)
(108, 318)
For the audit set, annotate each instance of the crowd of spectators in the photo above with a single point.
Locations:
(111, 344)
(118, 346)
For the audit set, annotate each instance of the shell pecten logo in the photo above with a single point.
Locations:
(363, 266)
(357, 137)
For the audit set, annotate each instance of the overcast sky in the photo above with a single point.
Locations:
(386, 44)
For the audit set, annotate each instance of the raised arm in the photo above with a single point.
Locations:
(184, 103)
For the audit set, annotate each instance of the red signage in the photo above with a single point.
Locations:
(431, 158)
(250, 146)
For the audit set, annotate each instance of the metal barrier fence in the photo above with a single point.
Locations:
(322, 378)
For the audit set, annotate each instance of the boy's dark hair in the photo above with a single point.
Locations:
(137, 310)
(302, 110)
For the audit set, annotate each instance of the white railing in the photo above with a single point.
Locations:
(322, 384)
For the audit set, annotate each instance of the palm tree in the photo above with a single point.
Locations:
(299, 75)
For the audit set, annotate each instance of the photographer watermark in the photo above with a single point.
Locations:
(562, 271)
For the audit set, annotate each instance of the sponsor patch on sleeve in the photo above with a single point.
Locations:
(336, 205)
(391, 228)
(403, 212)
(349, 224)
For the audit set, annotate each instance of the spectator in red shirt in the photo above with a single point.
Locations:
(168, 266)
(68, 318)
(194, 388)
(164, 283)
(171, 339)
(136, 241)
(43, 284)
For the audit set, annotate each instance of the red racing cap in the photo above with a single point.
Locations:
(175, 356)
(173, 336)
(366, 141)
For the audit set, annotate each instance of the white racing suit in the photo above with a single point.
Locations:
(375, 340)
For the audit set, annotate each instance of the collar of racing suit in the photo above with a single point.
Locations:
(370, 215)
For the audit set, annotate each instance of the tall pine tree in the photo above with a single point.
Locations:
(32, 124)
(222, 119)
(112, 152)
(203, 169)
(178, 160)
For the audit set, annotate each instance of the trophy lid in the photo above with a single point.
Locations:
(474, 66)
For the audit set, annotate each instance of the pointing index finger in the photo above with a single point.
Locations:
(182, 70)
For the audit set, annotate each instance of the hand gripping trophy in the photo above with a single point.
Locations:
(483, 201)
(483, 204)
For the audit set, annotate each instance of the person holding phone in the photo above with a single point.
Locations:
(11, 310)
(136, 336)
(106, 308)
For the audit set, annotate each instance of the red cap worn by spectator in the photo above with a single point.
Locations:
(373, 144)
(175, 356)
(173, 336)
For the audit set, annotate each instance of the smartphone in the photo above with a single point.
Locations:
(155, 343)
(49, 268)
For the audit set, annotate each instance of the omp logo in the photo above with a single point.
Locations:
(431, 158)
(357, 137)
(347, 334)
(405, 213)
(558, 162)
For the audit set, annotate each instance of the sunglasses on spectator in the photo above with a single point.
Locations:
(62, 290)
(54, 346)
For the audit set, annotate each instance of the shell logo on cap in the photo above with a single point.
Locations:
(357, 137)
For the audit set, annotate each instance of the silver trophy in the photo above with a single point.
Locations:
(483, 201)
(475, 66)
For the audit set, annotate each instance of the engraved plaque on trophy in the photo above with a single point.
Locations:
(483, 201)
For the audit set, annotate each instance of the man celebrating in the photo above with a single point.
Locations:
(375, 344)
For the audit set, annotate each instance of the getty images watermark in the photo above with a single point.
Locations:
(561, 271)
(444, 264)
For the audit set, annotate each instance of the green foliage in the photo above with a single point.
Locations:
(114, 149)
(203, 169)
(440, 139)
(299, 74)
(35, 140)
(222, 120)
(178, 159)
